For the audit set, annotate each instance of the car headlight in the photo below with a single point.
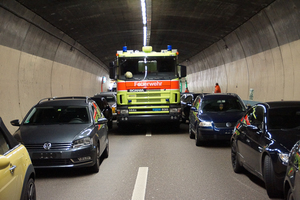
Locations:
(205, 124)
(82, 142)
(284, 157)
(175, 110)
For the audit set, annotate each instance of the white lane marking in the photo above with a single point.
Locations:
(140, 184)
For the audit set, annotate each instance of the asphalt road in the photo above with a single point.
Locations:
(154, 162)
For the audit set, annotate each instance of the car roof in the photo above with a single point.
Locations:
(218, 95)
(281, 104)
(64, 101)
(106, 93)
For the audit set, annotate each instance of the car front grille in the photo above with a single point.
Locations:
(51, 162)
(223, 125)
(54, 146)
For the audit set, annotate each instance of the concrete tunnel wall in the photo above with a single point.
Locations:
(39, 61)
(263, 54)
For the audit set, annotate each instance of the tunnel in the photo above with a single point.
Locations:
(257, 57)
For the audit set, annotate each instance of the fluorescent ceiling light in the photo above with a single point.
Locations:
(144, 15)
(143, 5)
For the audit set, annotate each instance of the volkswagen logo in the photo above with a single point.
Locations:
(228, 124)
(47, 145)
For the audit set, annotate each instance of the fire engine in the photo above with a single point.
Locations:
(148, 85)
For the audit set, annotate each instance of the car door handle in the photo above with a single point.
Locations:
(12, 169)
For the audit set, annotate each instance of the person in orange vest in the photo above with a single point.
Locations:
(186, 90)
(217, 88)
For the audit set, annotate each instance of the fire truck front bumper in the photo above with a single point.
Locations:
(148, 118)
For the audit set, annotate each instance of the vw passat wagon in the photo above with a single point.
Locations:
(64, 132)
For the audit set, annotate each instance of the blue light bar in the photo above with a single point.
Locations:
(125, 49)
(129, 101)
(169, 47)
(167, 100)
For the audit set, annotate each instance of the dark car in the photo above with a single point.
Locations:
(64, 132)
(105, 109)
(186, 101)
(213, 116)
(111, 99)
(17, 174)
(292, 177)
(262, 141)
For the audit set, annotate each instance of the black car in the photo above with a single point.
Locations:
(213, 116)
(64, 132)
(186, 101)
(262, 141)
(292, 177)
(111, 98)
(105, 109)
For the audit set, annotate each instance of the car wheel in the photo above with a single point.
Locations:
(290, 195)
(237, 167)
(110, 124)
(95, 167)
(191, 134)
(270, 180)
(30, 192)
(105, 152)
(199, 142)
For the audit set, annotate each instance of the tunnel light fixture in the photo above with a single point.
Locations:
(144, 16)
(145, 36)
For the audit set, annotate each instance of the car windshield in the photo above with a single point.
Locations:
(110, 98)
(57, 115)
(154, 68)
(224, 104)
(284, 118)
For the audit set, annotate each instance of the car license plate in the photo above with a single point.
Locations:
(156, 109)
(44, 155)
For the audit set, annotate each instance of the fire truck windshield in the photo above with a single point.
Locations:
(141, 68)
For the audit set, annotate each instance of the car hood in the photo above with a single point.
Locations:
(221, 117)
(285, 137)
(60, 133)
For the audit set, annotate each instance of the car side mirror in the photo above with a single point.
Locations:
(194, 109)
(112, 73)
(15, 122)
(182, 71)
(102, 121)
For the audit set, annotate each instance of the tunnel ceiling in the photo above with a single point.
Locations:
(105, 26)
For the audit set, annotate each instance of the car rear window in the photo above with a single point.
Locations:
(58, 115)
(284, 118)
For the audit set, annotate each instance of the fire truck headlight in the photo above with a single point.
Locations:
(124, 111)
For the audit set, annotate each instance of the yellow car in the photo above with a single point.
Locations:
(17, 175)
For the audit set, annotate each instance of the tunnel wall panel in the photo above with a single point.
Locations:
(263, 54)
(39, 61)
